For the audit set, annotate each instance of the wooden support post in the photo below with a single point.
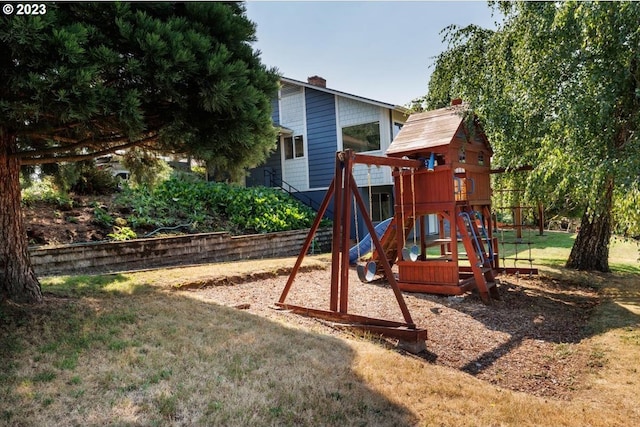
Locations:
(517, 221)
(337, 230)
(443, 248)
(540, 219)
(423, 238)
(346, 231)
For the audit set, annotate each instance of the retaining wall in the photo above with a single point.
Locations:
(107, 257)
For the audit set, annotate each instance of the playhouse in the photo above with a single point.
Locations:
(454, 185)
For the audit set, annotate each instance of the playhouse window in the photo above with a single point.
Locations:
(293, 147)
(462, 155)
(364, 137)
(481, 158)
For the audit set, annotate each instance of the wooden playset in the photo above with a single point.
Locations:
(441, 164)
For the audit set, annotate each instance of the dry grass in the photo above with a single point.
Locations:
(129, 350)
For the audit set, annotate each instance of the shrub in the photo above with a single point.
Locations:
(214, 206)
(122, 233)
(45, 190)
(102, 217)
(95, 181)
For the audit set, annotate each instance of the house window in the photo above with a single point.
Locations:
(293, 147)
(380, 206)
(481, 158)
(364, 137)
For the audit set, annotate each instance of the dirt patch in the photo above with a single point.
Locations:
(232, 280)
(50, 224)
(530, 341)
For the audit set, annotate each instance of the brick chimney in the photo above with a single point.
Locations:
(457, 101)
(317, 81)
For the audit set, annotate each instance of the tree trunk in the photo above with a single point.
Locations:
(17, 279)
(591, 249)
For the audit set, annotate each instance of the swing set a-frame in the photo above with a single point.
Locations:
(342, 190)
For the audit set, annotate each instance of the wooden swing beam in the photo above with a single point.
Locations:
(342, 188)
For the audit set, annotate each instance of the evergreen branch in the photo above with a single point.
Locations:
(79, 157)
(90, 141)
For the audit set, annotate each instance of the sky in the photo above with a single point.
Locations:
(382, 50)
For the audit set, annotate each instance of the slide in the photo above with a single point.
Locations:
(366, 243)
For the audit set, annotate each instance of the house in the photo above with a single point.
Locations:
(315, 122)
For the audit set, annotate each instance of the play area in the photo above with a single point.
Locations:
(441, 168)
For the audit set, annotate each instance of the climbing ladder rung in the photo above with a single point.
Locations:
(517, 243)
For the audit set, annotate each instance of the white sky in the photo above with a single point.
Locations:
(383, 50)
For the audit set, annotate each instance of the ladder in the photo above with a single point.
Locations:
(479, 258)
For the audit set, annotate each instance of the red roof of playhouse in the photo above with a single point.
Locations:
(431, 129)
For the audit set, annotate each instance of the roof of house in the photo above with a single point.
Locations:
(427, 130)
(345, 95)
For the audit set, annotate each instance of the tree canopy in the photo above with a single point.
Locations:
(86, 79)
(557, 86)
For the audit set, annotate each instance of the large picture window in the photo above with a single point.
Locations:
(364, 137)
(293, 147)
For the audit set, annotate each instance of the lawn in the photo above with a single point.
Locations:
(133, 349)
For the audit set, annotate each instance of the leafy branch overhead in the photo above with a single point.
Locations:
(557, 87)
(86, 79)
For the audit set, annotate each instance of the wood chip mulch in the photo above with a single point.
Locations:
(529, 341)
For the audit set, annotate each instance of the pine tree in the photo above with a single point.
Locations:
(86, 79)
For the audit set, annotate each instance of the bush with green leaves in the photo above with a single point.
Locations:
(46, 190)
(146, 168)
(122, 233)
(101, 217)
(214, 206)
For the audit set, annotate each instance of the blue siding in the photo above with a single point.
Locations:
(275, 111)
(270, 173)
(321, 137)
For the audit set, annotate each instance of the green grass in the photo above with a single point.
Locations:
(552, 249)
(85, 285)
